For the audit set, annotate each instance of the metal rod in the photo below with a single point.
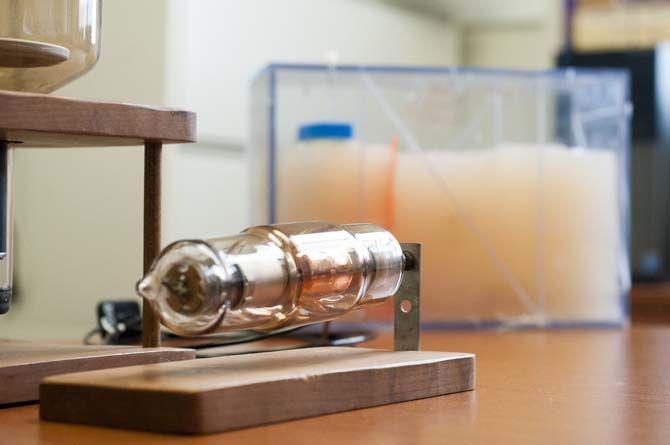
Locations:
(6, 225)
(151, 334)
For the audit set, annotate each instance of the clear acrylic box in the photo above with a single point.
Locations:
(515, 183)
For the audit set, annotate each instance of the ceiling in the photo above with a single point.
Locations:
(481, 12)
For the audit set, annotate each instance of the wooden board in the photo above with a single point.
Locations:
(40, 120)
(223, 393)
(24, 364)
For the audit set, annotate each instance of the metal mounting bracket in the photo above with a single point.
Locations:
(407, 321)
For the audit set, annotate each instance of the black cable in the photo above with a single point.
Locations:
(256, 336)
(91, 333)
(112, 337)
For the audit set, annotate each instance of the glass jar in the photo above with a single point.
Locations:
(46, 44)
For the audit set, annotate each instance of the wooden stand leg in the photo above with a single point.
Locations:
(151, 335)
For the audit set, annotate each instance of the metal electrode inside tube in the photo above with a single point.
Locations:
(271, 277)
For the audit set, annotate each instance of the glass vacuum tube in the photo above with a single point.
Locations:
(271, 277)
(46, 44)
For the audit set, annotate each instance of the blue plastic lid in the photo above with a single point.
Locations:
(325, 130)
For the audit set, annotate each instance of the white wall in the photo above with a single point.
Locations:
(525, 36)
(519, 47)
(78, 212)
(221, 45)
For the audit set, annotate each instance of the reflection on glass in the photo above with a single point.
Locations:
(46, 44)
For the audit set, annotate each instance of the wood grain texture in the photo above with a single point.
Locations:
(533, 387)
(40, 120)
(219, 394)
(23, 364)
(151, 333)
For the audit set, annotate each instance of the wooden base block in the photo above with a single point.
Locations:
(24, 364)
(223, 393)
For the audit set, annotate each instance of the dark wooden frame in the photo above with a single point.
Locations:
(39, 120)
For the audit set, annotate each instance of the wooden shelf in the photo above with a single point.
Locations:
(40, 120)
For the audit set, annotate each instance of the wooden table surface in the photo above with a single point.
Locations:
(571, 386)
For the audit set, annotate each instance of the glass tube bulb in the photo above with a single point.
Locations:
(271, 277)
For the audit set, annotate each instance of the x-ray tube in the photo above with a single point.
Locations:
(271, 277)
